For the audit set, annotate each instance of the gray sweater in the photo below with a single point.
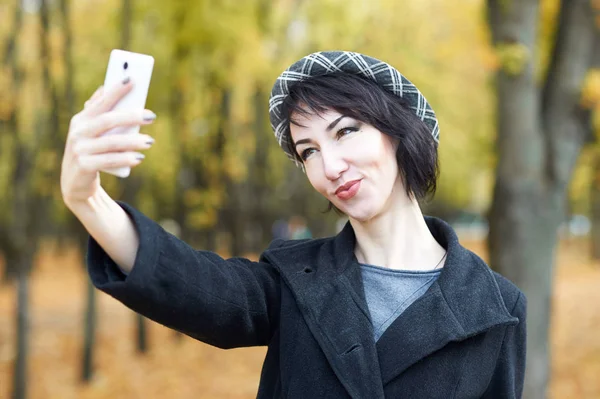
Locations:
(390, 291)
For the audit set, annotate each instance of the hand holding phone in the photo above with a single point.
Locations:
(124, 65)
(88, 150)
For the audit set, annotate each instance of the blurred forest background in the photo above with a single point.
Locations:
(516, 88)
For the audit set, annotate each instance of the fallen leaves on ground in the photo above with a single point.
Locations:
(180, 367)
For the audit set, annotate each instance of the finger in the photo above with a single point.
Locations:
(96, 162)
(112, 143)
(111, 97)
(100, 124)
(97, 94)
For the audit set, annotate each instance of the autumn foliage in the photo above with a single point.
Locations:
(185, 368)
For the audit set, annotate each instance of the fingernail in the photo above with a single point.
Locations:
(150, 141)
(139, 156)
(126, 80)
(149, 115)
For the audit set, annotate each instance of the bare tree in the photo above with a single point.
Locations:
(541, 130)
(595, 182)
(14, 242)
(133, 184)
(9, 127)
(23, 222)
(595, 206)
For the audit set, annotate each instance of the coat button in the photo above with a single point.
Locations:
(308, 270)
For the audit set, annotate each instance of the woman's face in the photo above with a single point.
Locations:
(349, 162)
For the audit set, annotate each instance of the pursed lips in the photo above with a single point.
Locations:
(346, 186)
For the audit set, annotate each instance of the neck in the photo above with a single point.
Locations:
(398, 239)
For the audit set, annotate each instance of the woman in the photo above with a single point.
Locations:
(393, 306)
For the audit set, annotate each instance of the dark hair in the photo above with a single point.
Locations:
(364, 100)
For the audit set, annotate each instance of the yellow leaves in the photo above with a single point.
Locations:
(235, 168)
(47, 160)
(203, 206)
(548, 22)
(590, 91)
(579, 187)
(596, 7)
(201, 218)
(590, 97)
(505, 5)
(513, 57)
(7, 104)
(192, 197)
(489, 59)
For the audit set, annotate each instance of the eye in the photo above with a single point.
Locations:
(306, 153)
(345, 131)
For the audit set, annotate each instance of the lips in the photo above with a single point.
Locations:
(348, 190)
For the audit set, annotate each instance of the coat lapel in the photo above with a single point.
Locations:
(329, 293)
(464, 301)
(327, 284)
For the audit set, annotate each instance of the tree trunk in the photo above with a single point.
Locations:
(229, 214)
(595, 207)
(176, 112)
(142, 335)
(9, 128)
(126, 18)
(539, 140)
(22, 246)
(69, 94)
(262, 217)
(595, 181)
(23, 263)
(17, 246)
(133, 184)
(49, 87)
(90, 317)
(89, 336)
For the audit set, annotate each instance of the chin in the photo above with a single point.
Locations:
(360, 212)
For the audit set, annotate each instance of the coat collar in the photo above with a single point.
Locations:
(326, 281)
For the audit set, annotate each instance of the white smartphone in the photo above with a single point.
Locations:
(138, 67)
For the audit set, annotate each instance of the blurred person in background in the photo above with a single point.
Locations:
(280, 229)
(298, 228)
(392, 306)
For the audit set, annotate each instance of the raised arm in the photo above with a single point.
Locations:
(87, 151)
(225, 303)
(111, 228)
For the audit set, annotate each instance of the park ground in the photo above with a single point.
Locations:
(184, 368)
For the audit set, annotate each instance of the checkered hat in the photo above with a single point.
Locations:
(326, 62)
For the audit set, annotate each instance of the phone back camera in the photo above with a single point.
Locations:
(125, 65)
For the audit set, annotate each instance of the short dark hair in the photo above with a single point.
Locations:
(364, 100)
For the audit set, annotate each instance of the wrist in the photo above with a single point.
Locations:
(95, 205)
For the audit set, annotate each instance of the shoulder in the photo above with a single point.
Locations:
(288, 255)
(306, 244)
(514, 299)
(280, 243)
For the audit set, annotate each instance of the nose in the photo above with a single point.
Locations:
(333, 163)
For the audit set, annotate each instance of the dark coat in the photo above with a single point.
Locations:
(464, 338)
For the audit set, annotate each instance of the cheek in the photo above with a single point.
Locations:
(376, 153)
(316, 179)
(382, 157)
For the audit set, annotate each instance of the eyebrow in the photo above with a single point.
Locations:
(335, 122)
(328, 129)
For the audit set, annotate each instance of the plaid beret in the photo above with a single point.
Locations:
(327, 62)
